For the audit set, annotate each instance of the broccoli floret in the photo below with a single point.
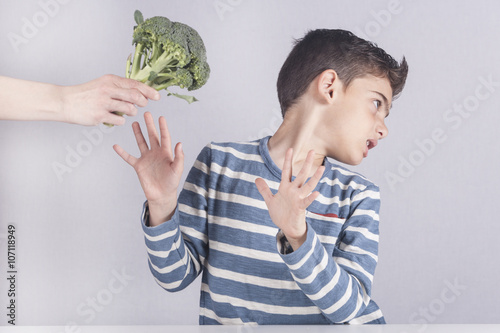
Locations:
(167, 54)
(200, 71)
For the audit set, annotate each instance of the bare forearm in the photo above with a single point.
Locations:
(29, 100)
(89, 104)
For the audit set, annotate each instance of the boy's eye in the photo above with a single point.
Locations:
(377, 103)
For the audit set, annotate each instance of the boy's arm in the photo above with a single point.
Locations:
(174, 230)
(339, 283)
(177, 248)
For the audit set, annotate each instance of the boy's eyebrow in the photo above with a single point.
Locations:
(385, 101)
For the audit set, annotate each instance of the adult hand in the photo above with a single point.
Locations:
(94, 102)
(287, 207)
(159, 171)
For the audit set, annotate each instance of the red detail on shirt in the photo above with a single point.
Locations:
(329, 215)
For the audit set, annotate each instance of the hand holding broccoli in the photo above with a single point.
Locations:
(90, 103)
(95, 102)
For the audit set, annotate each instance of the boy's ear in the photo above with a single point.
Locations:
(327, 84)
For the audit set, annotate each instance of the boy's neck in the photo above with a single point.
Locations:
(298, 131)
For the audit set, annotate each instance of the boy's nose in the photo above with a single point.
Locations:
(382, 130)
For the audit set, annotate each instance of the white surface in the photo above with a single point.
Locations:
(260, 329)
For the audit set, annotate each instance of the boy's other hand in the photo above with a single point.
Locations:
(287, 207)
(159, 171)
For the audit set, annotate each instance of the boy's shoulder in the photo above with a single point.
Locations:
(236, 145)
(237, 148)
(241, 150)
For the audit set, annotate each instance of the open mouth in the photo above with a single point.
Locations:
(371, 144)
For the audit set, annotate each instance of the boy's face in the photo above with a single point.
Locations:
(356, 118)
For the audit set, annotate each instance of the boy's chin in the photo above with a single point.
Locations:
(357, 162)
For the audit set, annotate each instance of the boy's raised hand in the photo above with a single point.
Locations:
(159, 171)
(287, 207)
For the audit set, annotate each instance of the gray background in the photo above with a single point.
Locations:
(80, 230)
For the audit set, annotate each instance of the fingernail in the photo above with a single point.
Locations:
(156, 96)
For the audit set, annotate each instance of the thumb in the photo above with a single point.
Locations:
(310, 199)
(147, 91)
(178, 163)
(144, 89)
(131, 160)
(264, 190)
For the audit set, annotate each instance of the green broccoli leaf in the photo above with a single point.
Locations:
(138, 17)
(189, 99)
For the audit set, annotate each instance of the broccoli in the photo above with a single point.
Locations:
(167, 54)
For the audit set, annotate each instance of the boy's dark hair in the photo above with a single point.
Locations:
(349, 56)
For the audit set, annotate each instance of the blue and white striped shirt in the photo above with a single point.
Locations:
(222, 229)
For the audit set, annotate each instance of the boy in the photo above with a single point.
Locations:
(296, 245)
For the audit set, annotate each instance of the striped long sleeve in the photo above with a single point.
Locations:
(177, 251)
(339, 280)
(221, 229)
